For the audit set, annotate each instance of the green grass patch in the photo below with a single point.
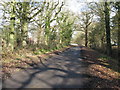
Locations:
(104, 58)
(109, 62)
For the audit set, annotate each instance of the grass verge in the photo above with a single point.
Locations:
(103, 69)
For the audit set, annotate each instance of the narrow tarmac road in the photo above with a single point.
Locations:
(65, 70)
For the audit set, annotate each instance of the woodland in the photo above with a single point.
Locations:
(46, 25)
(32, 28)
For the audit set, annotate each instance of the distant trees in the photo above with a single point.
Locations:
(102, 31)
(85, 21)
(45, 25)
(117, 7)
(98, 26)
(116, 25)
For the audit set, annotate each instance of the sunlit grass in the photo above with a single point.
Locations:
(104, 58)
(110, 62)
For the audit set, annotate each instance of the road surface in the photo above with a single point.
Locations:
(64, 70)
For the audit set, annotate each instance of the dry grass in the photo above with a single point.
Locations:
(104, 68)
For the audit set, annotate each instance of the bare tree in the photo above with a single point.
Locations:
(86, 19)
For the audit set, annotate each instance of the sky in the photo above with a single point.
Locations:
(75, 6)
(72, 5)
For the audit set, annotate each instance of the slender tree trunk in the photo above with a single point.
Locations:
(25, 20)
(86, 36)
(12, 29)
(25, 35)
(107, 23)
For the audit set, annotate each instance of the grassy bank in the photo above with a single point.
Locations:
(104, 70)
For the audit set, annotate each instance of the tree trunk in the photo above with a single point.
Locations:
(12, 29)
(86, 36)
(107, 23)
(118, 27)
(25, 34)
(25, 20)
(118, 31)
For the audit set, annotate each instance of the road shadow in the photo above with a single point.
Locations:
(65, 70)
